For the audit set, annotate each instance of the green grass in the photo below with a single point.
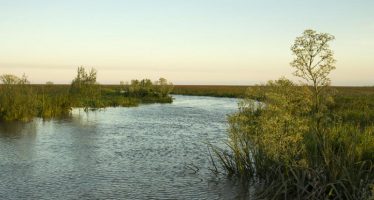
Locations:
(289, 152)
(24, 102)
(240, 90)
(210, 90)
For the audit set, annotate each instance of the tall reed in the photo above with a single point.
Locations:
(279, 145)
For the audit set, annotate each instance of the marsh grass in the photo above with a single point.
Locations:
(21, 101)
(288, 152)
(210, 90)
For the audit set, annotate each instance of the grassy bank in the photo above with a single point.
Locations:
(22, 101)
(351, 104)
(210, 90)
(304, 140)
(290, 150)
(240, 90)
(293, 152)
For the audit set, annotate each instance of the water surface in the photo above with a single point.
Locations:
(145, 152)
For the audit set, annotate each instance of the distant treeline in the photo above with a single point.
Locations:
(19, 100)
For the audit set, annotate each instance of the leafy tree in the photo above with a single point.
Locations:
(163, 87)
(146, 88)
(83, 79)
(313, 61)
(85, 89)
(134, 88)
(280, 143)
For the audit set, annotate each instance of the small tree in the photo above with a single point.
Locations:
(281, 143)
(83, 79)
(314, 60)
(85, 88)
(164, 88)
(146, 87)
(134, 88)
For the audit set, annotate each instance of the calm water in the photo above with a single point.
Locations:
(119, 153)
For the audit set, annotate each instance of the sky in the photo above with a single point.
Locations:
(220, 42)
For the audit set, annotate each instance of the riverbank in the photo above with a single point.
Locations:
(357, 103)
(238, 91)
(23, 102)
(211, 90)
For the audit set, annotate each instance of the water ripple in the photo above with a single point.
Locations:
(118, 153)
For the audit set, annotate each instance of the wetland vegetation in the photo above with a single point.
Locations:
(304, 141)
(234, 91)
(22, 101)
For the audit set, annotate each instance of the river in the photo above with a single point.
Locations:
(154, 151)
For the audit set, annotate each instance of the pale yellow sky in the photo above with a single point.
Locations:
(187, 42)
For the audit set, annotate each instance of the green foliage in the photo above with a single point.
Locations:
(210, 90)
(17, 99)
(314, 60)
(297, 142)
(273, 128)
(84, 89)
(163, 88)
(277, 142)
(52, 101)
(21, 101)
(149, 92)
(353, 107)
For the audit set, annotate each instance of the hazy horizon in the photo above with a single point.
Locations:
(214, 42)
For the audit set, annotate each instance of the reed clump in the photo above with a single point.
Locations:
(17, 99)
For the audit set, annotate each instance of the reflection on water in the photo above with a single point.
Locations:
(17, 129)
(119, 153)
